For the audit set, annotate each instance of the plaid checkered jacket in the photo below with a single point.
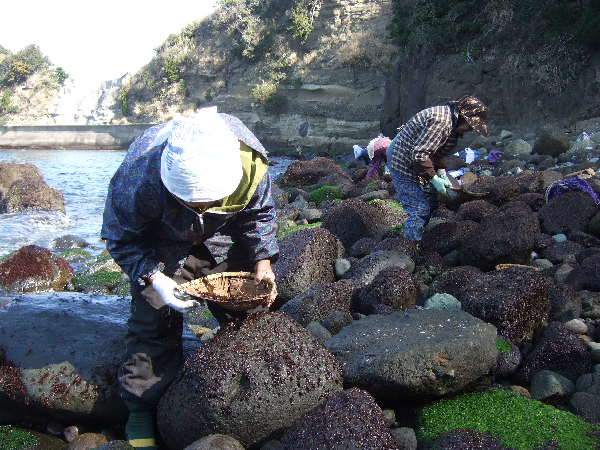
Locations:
(423, 142)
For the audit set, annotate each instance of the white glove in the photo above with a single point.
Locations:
(440, 184)
(165, 287)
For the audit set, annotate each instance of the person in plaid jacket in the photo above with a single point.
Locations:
(417, 164)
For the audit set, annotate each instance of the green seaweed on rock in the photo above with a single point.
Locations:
(12, 438)
(518, 422)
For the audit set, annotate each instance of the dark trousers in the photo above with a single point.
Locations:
(153, 340)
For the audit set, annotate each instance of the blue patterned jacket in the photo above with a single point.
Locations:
(147, 229)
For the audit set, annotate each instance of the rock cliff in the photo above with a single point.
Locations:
(347, 82)
(344, 85)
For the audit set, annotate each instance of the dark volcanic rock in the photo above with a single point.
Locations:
(363, 247)
(306, 259)
(568, 212)
(561, 252)
(446, 236)
(59, 355)
(394, 287)
(542, 241)
(514, 299)
(506, 237)
(251, 381)
(586, 276)
(367, 268)
(415, 353)
(533, 200)
(564, 302)
(464, 439)
(22, 188)
(499, 190)
(552, 141)
(398, 243)
(355, 219)
(320, 300)
(34, 269)
(475, 210)
(305, 173)
(347, 420)
(454, 281)
(537, 181)
(558, 350)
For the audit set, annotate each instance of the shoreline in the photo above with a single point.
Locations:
(70, 137)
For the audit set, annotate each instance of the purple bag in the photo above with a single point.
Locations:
(495, 155)
(570, 184)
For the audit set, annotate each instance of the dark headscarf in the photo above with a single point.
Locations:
(473, 111)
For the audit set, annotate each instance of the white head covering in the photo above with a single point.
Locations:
(357, 150)
(201, 161)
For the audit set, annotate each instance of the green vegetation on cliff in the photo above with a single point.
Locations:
(24, 74)
(264, 41)
(552, 39)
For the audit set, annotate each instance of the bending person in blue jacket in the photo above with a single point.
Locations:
(192, 197)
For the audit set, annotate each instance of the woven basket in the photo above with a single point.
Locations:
(232, 290)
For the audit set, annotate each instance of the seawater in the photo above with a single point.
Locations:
(82, 176)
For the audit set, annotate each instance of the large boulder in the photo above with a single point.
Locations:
(306, 258)
(454, 281)
(22, 188)
(506, 237)
(534, 181)
(367, 268)
(394, 287)
(306, 173)
(34, 269)
(356, 219)
(347, 420)
(251, 381)
(446, 237)
(567, 212)
(415, 353)
(586, 276)
(475, 210)
(320, 300)
(558, 350)
(59, 358)
(514, 299)
(498, 190)
(552, 141)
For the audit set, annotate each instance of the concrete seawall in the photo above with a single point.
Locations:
(101, 137)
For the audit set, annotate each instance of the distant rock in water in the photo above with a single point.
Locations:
(22, 188)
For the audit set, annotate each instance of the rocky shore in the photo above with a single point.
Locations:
(485, 336)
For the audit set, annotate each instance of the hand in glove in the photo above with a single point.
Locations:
(440, 184)
(165, 287)
(442, 174)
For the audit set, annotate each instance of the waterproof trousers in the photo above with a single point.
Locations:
(417, 201)
(153, 341)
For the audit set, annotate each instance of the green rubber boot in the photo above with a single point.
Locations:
(140, 426)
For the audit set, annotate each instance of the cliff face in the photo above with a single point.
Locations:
(344, 85)
(515, 101)
(330, 90)
(347, 83)
(340, 78)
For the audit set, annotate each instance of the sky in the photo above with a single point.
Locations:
(97, 41)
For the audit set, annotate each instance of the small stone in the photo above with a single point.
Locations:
(54, 428)
(318, 331)
(577, 326)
